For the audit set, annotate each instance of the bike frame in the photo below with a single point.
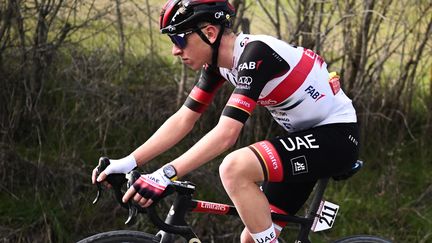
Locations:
(184, 203)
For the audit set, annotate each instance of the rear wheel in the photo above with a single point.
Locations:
(119, 236)
(362, 239)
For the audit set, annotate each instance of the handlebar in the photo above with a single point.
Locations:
(117, 181)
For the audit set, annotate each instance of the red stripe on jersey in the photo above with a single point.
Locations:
(242, 102)
(295, 79)
(201, 96)
(271, 160)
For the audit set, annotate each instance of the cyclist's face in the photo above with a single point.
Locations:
(195, 53)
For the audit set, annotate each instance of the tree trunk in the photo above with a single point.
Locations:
(120, 31)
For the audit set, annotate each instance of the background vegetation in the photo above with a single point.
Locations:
(81, 79)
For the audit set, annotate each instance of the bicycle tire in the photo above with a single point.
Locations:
(362, 239)
(117, 236)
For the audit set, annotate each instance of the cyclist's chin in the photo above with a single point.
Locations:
(194, 66)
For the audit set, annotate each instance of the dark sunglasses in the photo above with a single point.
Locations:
(180, 39)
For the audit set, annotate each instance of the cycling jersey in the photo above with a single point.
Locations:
(291, 82)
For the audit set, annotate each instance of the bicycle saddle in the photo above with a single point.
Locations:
(356, 167)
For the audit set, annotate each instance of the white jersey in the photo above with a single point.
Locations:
(291, 82)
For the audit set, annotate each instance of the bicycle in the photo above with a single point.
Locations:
(320, 214)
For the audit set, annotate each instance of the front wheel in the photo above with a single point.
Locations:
(362, 239)
(121, 236)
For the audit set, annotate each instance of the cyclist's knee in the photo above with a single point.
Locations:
(229, 170)
(240, 166)
(230, 166)
(233, 168)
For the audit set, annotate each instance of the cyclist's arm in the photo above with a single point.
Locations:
(219, 139)
(170, 133)
(182, 122)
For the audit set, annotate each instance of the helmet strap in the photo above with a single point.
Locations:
(215, 45)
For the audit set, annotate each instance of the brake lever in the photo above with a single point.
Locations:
(98, 193)
(132, 207)
(133, 211)
(103, 163)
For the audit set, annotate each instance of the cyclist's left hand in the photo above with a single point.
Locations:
(147, 188)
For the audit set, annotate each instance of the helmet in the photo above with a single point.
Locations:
(180, 16)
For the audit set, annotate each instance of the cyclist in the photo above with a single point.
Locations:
(291, 82)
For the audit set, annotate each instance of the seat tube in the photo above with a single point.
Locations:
(303, 236)
(318, 195)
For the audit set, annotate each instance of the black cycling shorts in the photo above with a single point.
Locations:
(293, 163)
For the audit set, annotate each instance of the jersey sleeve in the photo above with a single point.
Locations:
(205, 89)
(257, 65)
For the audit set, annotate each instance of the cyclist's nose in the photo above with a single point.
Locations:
(176, 50)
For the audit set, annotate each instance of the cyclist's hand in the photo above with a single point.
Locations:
(147, 188)
(123, 165)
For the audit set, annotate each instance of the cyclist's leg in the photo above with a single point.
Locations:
(239, 172)
(284, 198)
(300, 157)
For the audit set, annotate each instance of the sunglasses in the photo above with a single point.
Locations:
(180, 39)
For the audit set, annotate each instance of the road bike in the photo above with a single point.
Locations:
(320, 214)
